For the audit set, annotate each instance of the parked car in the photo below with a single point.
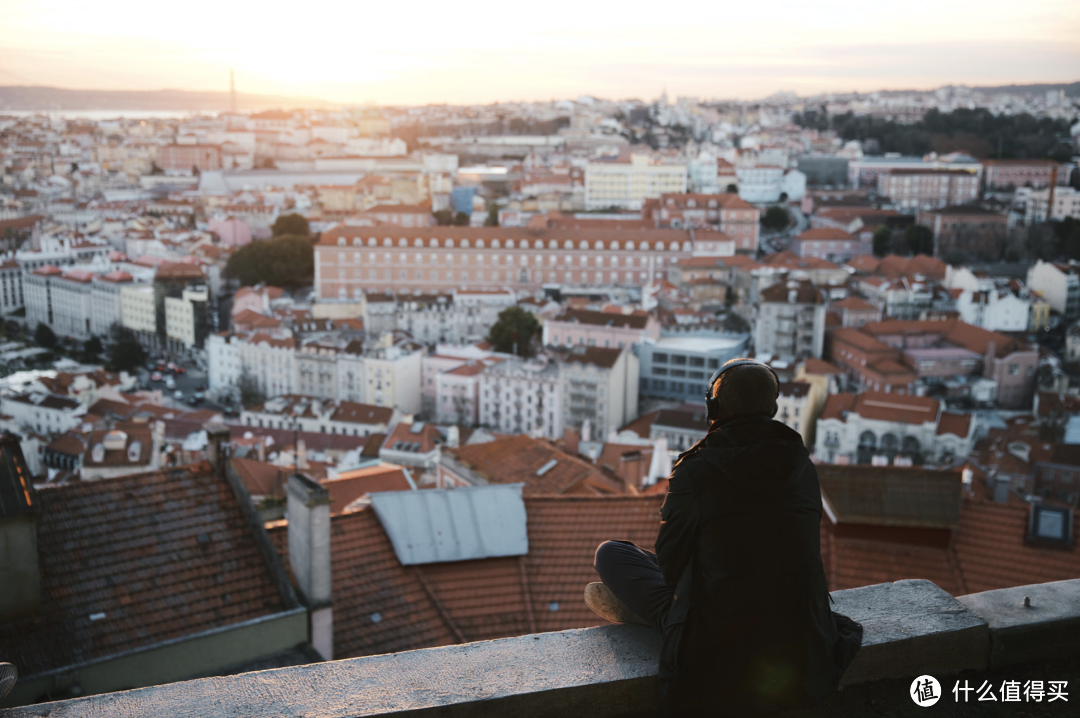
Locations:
(178, 394)
(170, 383)
(180, 370)
(156, 376)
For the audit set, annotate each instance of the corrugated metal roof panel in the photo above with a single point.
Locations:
(435, 525)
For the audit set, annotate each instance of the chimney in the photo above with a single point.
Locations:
(570, 438)
(309, 556)
(301, 454)
(19, 574)
(217, 439)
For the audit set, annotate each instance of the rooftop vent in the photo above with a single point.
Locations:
(134, 451)
(97, 454)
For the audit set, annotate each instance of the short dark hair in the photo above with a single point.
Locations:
(746, 390)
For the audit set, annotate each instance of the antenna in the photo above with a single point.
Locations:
(232, 92)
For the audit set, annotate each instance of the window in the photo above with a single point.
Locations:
(678, 372)
(714, 363)
(678, 359)
(659, 371)
(697, 361)
(697, 375)
(1014, 369)
(659, 358)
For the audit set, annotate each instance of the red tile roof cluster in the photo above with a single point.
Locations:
(883, 406)
(381, 606)
(131, 562)
(253, 320)
(543, 468)
(820, 366)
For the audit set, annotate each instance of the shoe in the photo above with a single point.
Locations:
(606, 604)
(8, 676)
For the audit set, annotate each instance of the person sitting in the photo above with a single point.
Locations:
(737, 584)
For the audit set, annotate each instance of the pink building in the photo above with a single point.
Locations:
(1010, 174)
(583, 327)
(914, 189)
(182, 158)
(255, 299)
(732, 216)
(834, 245)
(233, 232)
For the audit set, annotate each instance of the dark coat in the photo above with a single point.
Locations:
(750, 628)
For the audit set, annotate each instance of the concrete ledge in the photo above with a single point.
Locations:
(1048, 628)
(910, 628)
(609, 670)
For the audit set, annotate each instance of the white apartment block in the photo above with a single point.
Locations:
(628, 184)
(599, 386)
(793, 409)
(791, 321)
(449, 318)
(1066, 204)
(769, 183)
(270, 360)
(522, 396)
(1059, 284)
(43, 413)
(994, 309)
(308, 413)
(106, 301)
(862, 428)
(71, 305)
(181, 315)
(11, 286)
(915, 189)
(138, 312)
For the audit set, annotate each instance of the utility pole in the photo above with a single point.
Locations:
(232, 92)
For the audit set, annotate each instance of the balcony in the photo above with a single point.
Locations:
(911, 628)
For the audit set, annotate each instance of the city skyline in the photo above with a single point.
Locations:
(493, 54)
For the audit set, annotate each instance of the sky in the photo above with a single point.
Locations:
(484, 51)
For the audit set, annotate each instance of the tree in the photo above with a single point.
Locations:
(513, 331)
(91, 350)
(284, 261)
(493, 217)
(292, 225)
(44, 337)
(882, 241)
(444, 217)
(461, 219)
(126, 353)
(776, 218)
(920, 239)
(251, 393)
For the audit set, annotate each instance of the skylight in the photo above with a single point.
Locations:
(1050, 523)
(546, 467)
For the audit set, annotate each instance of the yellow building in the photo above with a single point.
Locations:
(137, 308)
(628, 184)
(180, 316)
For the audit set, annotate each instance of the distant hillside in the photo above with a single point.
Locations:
(1072, 89)
(55, 99)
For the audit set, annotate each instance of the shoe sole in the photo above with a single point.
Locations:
(607, 605)
(8, 676)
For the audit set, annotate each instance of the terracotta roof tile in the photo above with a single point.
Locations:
(520, 458)
(162, 555)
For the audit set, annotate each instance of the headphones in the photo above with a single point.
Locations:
(712, 403)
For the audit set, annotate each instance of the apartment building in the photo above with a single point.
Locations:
(1059, 284)
(727, 213)
(866, 171)
(1007, 175)
(1065, 202)
(794, 409)
(324, 416)
(519, 396)
(923, 189)
(966, 228)
(185, 319)
(106, 301)
(833, 245)
(182, 159)
(607, 329)
(42, 412)
(270, 360)
(890, 428)
(138, 312)
(11, 286)
(626, 184)
(599, 387)
(678, 365)
(351, 261)
(791, 321)
(456, 317)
